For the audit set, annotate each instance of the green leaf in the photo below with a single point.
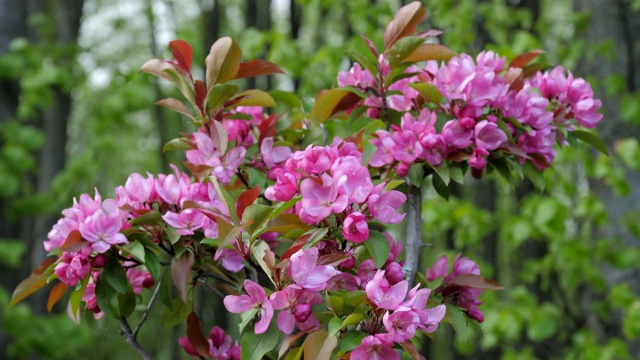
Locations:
(591, 139)
(152, 217)
(351, 339)
(219, 94)
(331, 102)
(227, 200)
(427, 52)
(378, 246)
(76, 296)
(172, 234)
(107, 297)
(258, 214)
(245, 318)
(403, 48)
(136, 249)
(116, 276)
(416, 174)
(258, 250)
(534, 174)
(255, 346)
(175, 314)
(255, 97)
(367, 62)
(428, 91)
(152, 263)
(439, 185)
(223, 61)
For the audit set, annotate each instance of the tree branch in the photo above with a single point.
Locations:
(130, 338)
(414, 233)
(146, 312)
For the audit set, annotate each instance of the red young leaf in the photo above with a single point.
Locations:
(200, 172)
(267, 128)
(523, 59)
(404, 23)
(247, 198)
(180, 273)
(73, 242)
(357, 138)
(55, 295)
(157, 67)
(410, 348)
(44, 265)
(297, 245)
(201, 94)
(476, 282)
(331, 102)
(257, 68)
(195, 336)
(27, 287)
(428, 33)
(371, 46)
(514, 78)
(182, 52)
(175, 105)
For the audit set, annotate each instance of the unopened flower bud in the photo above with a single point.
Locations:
(99, 261)
(302, 312)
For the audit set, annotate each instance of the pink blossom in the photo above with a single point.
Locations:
(458, 133)
(286, 186)
(171, 189)
(139, 278)
(355, 228)
(305, 272)
(366, 271)
(352, 179)
(401, 325)
(239, 131)
(59, 233)
(186, 222)
(488, 136)
(440, 268)
(256, 298)
(227, 168)
(356, 77)
(319, 200)
(384, 206)
(343, 281)
(221, 346)
(385, 296)
(74, 266)
(383, 155)
(296, 305)
(314, 160)
(273, 155)
(102, 229)
(373, 348)
(232, 260)
(204, 153)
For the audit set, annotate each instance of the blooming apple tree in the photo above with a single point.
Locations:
(294, 230)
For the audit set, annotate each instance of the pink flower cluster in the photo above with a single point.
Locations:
(465, 297)
(477, 96)
(241, 132)
(221, 346)
(332, 181)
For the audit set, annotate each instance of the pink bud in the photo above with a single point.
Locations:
(302, 312)
(99, 261)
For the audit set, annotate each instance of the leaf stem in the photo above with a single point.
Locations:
(146, 312)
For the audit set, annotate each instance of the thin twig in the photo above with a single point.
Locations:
(130, 338)
(146, 312)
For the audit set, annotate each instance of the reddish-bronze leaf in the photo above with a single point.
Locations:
(27, 287)
(182, 52)
(180, 273)
(157, 67)
(222, 62)
(476, 282)
(267, 128)
(428, 33)
(332, 259)
(55, 295)
(514, 78)
(175, 105)
(426, 52)
(195, 336)
(371, 46)
(200, 172)
(201, 94)
(331, 102)
(284, 223)
(404, 23)
(357, 138)
(297, 245)
(257, 68)
(73, 242)
(246, 198)
(44, 265)
(523, 59)
(410, 348)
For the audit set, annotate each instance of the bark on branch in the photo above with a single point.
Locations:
(413, 243)
(130, 338)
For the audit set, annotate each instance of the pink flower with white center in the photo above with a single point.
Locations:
(84, 208)
(305, 272)
(366, 271)
(401, 325)
(139, 278)
(286, 186)
(74, 266)
(355, 228)
(296, 305)
(239, 131)
(385, 296)
(273, 155)
(319, 200)
(375, 347)
(384, 206)
(186, 222)
(352, 179)
(314, 160)
(136, 191)
(102, 229)
(256, 298)
(406, 146)
(488, 136)
(458, 133)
